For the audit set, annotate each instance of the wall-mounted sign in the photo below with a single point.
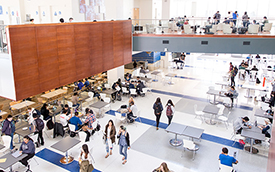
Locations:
(12, 13)
(1, 10)
(55, 13)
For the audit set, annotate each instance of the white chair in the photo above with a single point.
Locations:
(45, 128)
(187, 29)
(242, 74)
(220, 26)
(227, 29)
(107, 100)
(227, 102)
(221, 109)
(198, 113)
(34, 137)
(138, 115)
(82, 137)
(267, 27)
(224, 119)
(253, 29)
(120, 117)
(107, 86)
(190, 145)
(91, 97)
(70, 104)
(145, 90)
(72, 127)
(6, 141)
(213, 29)
(102, 95)
(125, 91)
(225, 168)
(253, 75)
(133, 92)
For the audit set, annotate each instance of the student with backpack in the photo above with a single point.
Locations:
(158, 108)
(8, 129)
(38, 126)
(170, 110)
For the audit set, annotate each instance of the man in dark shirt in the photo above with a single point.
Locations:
(68, 110)
(140, 86)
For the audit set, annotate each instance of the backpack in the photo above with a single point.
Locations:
(258, 81)
(169, 111)
(50, 124)
(39, 124)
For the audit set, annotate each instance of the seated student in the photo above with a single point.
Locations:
(87, 83)
(67, 108)
(225, 159)
(162, 168)
(96, 93)
(127, 79)
(45, 112)
(75, 99)
(90, 119)
(140, 86)
(27, 147)
(266, 129)
(80, 85)
(131, 85)
(242, 63)
(131, 111)
(142, 70)
(255, 68)
(232, 93)
(75, 121)
(226, 21)
(241, 123)
(64, 118)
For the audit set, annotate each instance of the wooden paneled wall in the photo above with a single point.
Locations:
(46, 56)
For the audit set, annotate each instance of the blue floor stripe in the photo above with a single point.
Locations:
(204, 136)
(54, 158)
(195, 98)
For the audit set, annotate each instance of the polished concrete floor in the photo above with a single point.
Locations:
(150, 147)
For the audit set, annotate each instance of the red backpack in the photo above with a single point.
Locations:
(169, 111)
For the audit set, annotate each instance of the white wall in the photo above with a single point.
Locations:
(44, 11)
(78, 17)
(114, 74)
(166, 9)
(7, 88)
(145, 8)
(119, 9)
(8, 7)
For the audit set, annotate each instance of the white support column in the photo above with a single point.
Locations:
(114, 74)
(165, 9)
(165, 60)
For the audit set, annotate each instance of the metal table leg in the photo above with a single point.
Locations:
(248, 93)
(176, 141)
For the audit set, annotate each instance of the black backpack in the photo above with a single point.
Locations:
(39, 124)
(50, 124)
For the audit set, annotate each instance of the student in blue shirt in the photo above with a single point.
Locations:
(235, 16)
(80, 85)
(86, 83)
(225, 159)
(75, 121)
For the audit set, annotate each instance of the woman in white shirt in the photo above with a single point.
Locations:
(85, 155)
(170, 110)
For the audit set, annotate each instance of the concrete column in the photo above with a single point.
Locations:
(165, 9)
(165, 60)
(114, 74)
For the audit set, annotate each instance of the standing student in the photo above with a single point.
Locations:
(170, 110)
(85, 159)
(45, 112)
(110, 133)
(158, 108)
(135, 64)
(75, 99)
(38, 126)
(27, 147)
(9, 129)
(123, 142)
